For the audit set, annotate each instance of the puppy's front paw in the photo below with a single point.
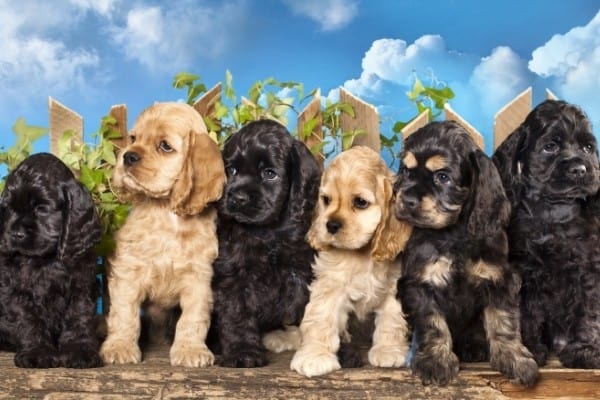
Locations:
(80, 356)
(540, 353)
(388, 356)
(580, 355)
(314, 362)
(37, 357)
(437, 368)
(283, 340)
(247, 358)
(518, 365)
(120, 352)
(191, 355)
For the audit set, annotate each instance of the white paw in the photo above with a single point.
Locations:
(117, 351)
(191, 355)
(283, 340)
(388, 356)
(314, 363)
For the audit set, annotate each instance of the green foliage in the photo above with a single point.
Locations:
(426, 98)
(187, 80)
(334, 139)
(26, 135)
(265, 100)
(94, 164)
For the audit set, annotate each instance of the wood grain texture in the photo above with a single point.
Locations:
(155, 378)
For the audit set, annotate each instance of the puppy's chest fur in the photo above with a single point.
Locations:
(365, 281)
(451, 270)
(555, 253)
(52, 280)
(272, 272)
(163, 251)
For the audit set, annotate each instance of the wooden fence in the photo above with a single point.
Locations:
(366, 118)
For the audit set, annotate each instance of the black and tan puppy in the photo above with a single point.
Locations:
(48, 232)
(263, 269)
(549, 166)
(457, 288)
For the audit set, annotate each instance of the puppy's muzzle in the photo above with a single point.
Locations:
(576, 171)
(130, 158)
(333, 226)
(238, 198)
(409, 203)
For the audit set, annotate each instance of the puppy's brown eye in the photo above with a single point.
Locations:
(231, 171)
(42, 209)
(441, 178)
(326, 200)
(269, 174)
(132, 139)
(588, 148)
(550, 147)
(359, 202)
(164, 147)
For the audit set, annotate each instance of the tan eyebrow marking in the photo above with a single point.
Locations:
(435, 163)
(409, 160)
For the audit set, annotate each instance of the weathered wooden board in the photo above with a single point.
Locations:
(155, 378)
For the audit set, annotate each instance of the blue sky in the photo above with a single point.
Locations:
(91, 54)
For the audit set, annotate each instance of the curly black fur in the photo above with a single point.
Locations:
(457, 286)
(263, 270)
(48, 230)
(549, 166)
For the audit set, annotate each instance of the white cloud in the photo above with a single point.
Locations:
(102, 7)
(498, 78)
(567, 64)
(163, 39)
(571, 62)
(394, 60)
(563, 53)
(330, 14)
(482, 85)
(34, 57)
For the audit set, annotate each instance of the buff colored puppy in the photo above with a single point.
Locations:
(171, 171)
(358, 239)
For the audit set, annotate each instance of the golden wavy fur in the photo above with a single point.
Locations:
(172, 171)
(358, 239)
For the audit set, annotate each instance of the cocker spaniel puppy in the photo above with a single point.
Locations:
(358, 239)
(459, 292)
(171, 171)
(549, 166)
(48, 232)
(262, 273)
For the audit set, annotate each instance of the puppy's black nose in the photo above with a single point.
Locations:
(239, 198)
(410, 202)
(333, 226)
(131, 158)
(577, 171)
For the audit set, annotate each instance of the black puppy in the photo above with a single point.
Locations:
(549, 167)
(263, 269)
(457, 288)
(48, 230)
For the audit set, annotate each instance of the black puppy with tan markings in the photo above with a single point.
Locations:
(549, 166)
(457, 288)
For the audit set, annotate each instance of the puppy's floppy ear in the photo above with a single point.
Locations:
(202, 178)
(81, 228)
(488, 205)
(305, 176)
(391, 234)
(509, 158)
(312, 238)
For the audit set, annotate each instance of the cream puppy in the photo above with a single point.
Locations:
(171, 171)
(358, 239)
